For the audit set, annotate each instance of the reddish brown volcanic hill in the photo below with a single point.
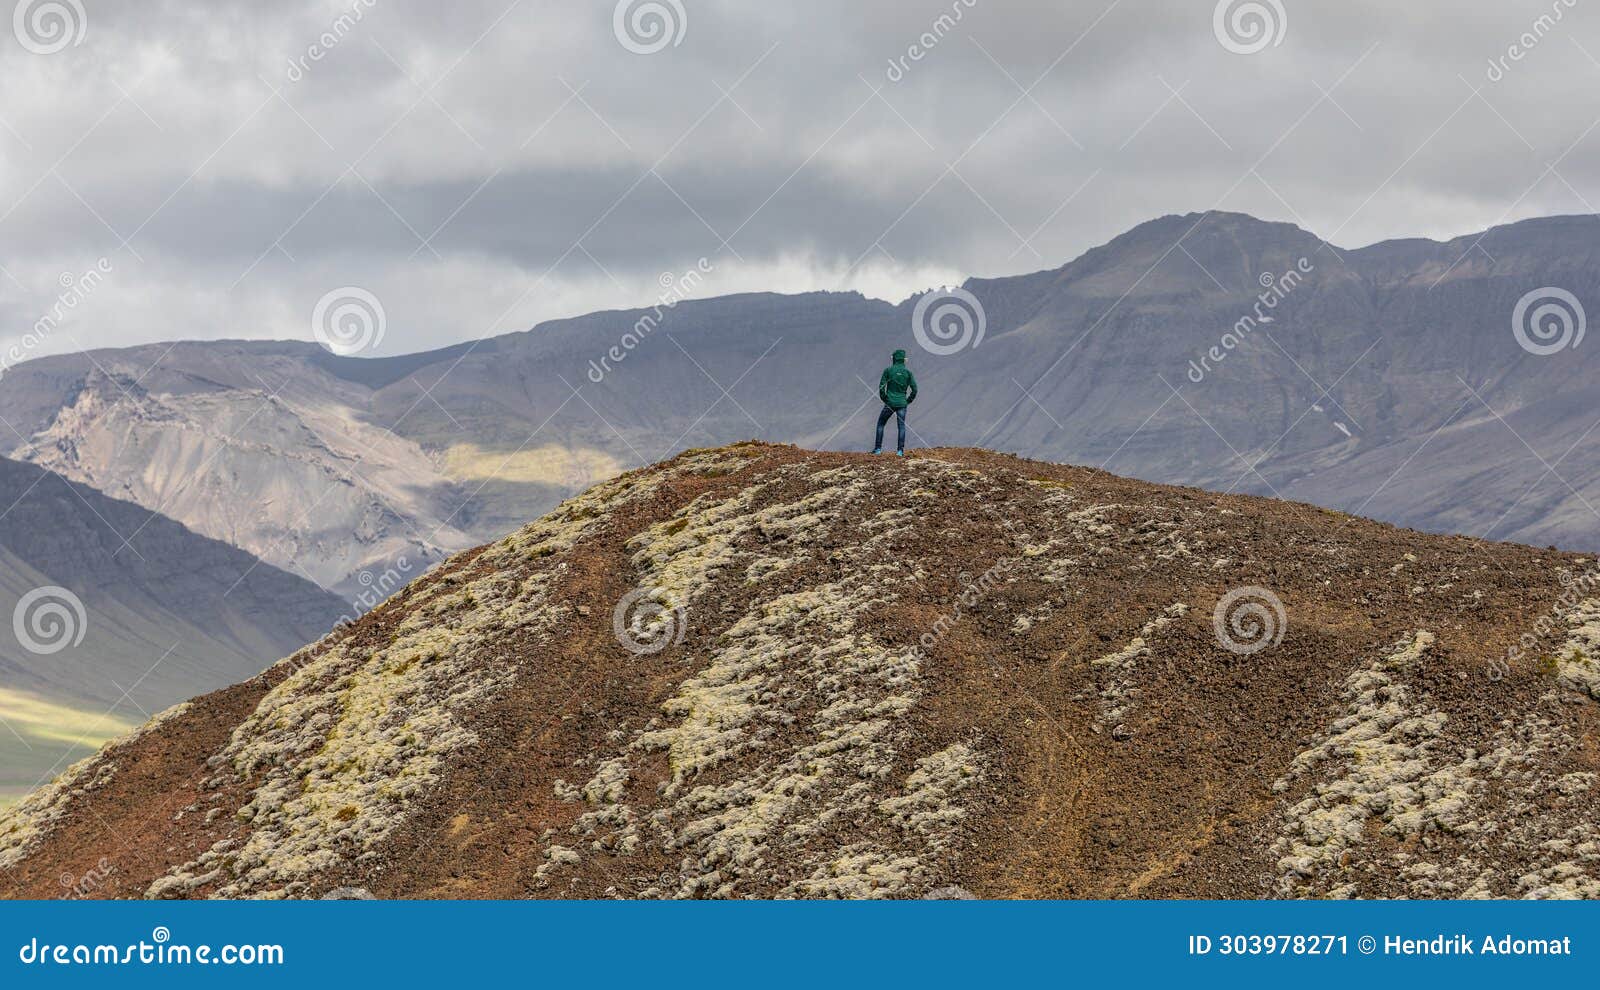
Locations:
(870, 677)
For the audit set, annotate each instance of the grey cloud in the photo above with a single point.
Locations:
(534, 146)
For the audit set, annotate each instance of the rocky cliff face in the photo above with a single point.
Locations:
(1387, 381)
(758, 671)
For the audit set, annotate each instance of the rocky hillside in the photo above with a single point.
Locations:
(1386, 381)
(760, 671)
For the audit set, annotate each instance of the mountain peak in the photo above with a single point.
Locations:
(1191, 228)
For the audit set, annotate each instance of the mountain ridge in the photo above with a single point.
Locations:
(450, 350)
(1379, 369)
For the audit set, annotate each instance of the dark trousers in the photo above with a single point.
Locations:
(883, 417)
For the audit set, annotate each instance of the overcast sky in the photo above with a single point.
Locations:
(481, 165)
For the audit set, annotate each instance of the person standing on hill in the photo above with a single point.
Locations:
(897, 387)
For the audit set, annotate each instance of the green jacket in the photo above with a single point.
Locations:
(898, 386)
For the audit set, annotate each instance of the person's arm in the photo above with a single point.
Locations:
(911, 387)
(883, 387)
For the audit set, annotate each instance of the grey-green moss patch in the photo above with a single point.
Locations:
(1388, 759)
(793, 722)
(336, 756)
(1376, 760)
(1116, 673)
(1577, 661)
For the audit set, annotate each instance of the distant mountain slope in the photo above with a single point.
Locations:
(39, 738)
(1385, 380)
(148, 621)
(758, 671)
(245, 444)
